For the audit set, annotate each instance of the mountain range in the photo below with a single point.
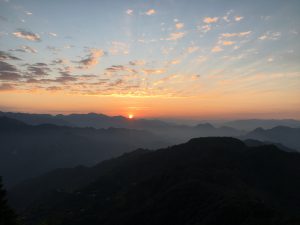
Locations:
(32, 148)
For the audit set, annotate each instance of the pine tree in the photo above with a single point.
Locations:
(7, 215)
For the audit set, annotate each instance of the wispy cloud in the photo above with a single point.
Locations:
(270, 36)
(52, 34)
(137, 63)
(175, 36)
(204, 28)
(210, 19)
(226, 17)
(201, 59)
(38, 69)
(217, 49)
(226, 43)
(6, 87)
(92, 58)
(175, 61)
(192, 49)
(129, 12)
(7, 56)
(25, 48)
(28, 13)
(150, 12)
(8, 72)
(179, 25)
(153, 71)
(120, 68)
(119, 48)
(241, 34)
(238, 18)
(27, 35)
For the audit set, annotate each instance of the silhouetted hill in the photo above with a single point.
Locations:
(252, 124)
(211, 181)
(287, 136)
(28, 151)
(256, 143)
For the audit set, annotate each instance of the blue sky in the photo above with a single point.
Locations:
(168, 49)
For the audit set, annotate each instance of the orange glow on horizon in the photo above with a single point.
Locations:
(130, 116)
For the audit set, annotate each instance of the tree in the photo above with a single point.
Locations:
(7, 215)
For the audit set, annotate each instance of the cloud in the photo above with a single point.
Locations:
(241, 34)
(120, 68)
(60, 61)
(217, 49)
(27, 35)
(8, 72)
(6, 67)
(6, 87)
(129, 12)
(116, 83)
(92, 59)
(150, 12)
(38, 69)
(210, 19)
(226, 17)
(226, 43)
(137, 63)
(165, 79)
(201, 59)
(5, 75)
(52, 34)
(25, 48)
(28, 13)
(7, 56)
(205, 28)
(175, 61)
(66, 77)
(192, 49)
(153, 71)
(238, 18)
(119, 48)
(270, 36)
(179, 25)
(175, 36)
(53, 49)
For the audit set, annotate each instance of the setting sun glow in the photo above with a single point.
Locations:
(130, 116)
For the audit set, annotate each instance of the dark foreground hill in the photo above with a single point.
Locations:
(27, 151)
(211, 181)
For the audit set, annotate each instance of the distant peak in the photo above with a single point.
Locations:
(205, 125)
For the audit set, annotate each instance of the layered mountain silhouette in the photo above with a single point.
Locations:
(209, 181)
(27, 150)
(173, 132)
(251, 124)
(287, 136)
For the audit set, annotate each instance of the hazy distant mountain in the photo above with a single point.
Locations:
(35, 119)
(251, 124)
(28, 150)
(173, 132)
(287, 136)
(211, 181)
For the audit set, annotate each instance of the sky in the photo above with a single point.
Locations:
(197, 59)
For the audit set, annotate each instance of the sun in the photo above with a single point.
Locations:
(130, 116)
